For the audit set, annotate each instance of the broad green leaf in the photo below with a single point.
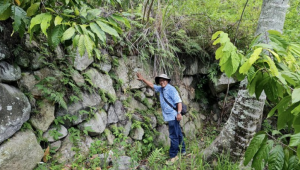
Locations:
(224, 58)
(219, 52)
(275, 55)
(217, 41)
(5, 14)
(231, 65)
(296, 95)
(276, 158)
(289, 77)
(89, 45)
(284, 117)
(296, 123)
(93, 13)
(43, 19)
(294, 162)
(81, 46)
(298, 152)
(121, 19)
(97, 30)
(18, 14)
(265, 46)
(68, 34)
(246, 66)
(261, 85)
(32, 9)
(272, 66)
(57, 20)
(224, 38)
(271, 89)
(50, 9)
(54, 36)
(215, 35)
(254, 146)
(3, 6)
(282, 80)
(253, 83)
(295, 140)
(283, 103)
(76, 40)
(296, 111)
(97, 53)
(262, 154)
(107, 29)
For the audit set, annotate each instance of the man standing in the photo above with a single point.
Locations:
(169, 96)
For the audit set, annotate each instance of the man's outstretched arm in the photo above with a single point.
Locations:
(141, 78)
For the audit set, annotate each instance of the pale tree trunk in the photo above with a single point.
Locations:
(246, 115)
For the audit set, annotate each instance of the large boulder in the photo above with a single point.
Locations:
(66, 153)
(127, 69)
(14, 110)
(45, 116)
(120, 110)
(96, 124)
(9, 72)
(78, 78)
(221, 84)
(189, 130)
(22, 151)
(112, 116)
(102, 81)
(134, 104)
(82, 62)
(125, 163)
(87, 101)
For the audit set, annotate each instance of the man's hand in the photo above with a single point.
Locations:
(140, 77)
(179, 117)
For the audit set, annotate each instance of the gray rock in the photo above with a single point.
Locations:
(4, 51)
(184, 94)
(127, 128)
(78, 78)
(66, 153)
(106, 158)
(163, 137)
(82, 62)
(203, 117)
(198, 121)
(124, 163)
(96, 124)
(55, 145)
(23, 59)
(127, 69)
(59, 52)
(62, 130)
(187, 80)
(103, 115)
(138, 133)
(28, 81)
(134, 104)
(153, 121)
(30, 44)
(88, 100)
(105, 66)
(184, 119)
(189, 130)
(137, 117)
(195, 107)
(195, 66)
(9, 72)
(15, 110)
(109, 136)
(112, 116)
(149, 92)
(43, 119)
(37, 61)
(102, 81)
(222, 84)
(106, 106)
(119, 110)
(215, 117)
(22, 151)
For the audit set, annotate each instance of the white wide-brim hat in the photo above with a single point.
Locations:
(164, 76)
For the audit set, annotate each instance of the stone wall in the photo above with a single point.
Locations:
(104, 94)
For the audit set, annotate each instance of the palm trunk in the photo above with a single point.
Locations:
(246, 114)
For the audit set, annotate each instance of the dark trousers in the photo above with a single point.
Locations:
(176, 138)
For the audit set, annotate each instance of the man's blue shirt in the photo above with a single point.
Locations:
(171, 94)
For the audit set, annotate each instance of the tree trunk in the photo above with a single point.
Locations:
(246, 114)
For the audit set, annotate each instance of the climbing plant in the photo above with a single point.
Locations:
(273, 68)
